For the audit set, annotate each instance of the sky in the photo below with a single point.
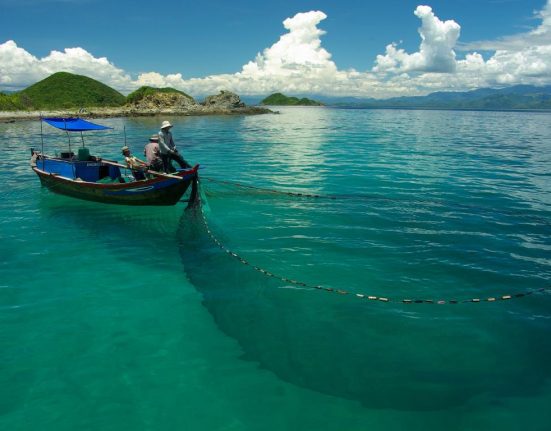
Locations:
(360, 48)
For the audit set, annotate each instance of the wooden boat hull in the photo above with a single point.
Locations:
(156, 191)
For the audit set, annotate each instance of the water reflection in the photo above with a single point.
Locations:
(290, 147)
(384, 357)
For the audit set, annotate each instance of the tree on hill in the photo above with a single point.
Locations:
(10, 102)
(144, 91)
(67, 90)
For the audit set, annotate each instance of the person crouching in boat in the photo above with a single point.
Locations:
(152, 154)
(137, 166)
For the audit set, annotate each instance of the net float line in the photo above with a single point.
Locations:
(497, 298)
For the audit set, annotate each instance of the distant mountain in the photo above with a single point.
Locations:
(515, 97)
(66, 90)
(278, 99)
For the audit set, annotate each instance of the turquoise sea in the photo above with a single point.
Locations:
(120, 318)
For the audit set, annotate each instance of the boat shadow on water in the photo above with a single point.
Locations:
(384, 355)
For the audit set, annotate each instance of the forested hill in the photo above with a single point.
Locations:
(63, 90)
(278, 99)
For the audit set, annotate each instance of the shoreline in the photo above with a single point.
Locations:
(194, 110)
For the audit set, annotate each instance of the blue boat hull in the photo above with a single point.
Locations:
(155, 191)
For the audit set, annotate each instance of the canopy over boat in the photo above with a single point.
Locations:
(96, 179)
(74, 124)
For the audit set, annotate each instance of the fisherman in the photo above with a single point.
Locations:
(152, 154)
(137, 166)
(168, 149)
(151, 149)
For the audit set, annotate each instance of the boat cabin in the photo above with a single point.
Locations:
(90, 171)
(83, 166)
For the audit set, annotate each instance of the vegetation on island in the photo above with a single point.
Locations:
(65, 94)
(144, 91)
(278, 99)
(10, 102)
(65, 90)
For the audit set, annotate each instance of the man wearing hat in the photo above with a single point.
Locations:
(137, 166)
(152, 155)
(168, 150)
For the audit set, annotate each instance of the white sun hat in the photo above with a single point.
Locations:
(166, 124)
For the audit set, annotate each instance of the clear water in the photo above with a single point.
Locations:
(133, 318)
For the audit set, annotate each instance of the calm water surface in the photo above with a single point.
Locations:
(133, 318)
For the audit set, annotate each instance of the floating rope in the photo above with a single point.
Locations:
(277, 192)
(361, 295)
(359, 196)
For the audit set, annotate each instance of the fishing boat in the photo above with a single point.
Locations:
(92, 178)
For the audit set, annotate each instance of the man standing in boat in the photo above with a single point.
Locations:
(168, 150)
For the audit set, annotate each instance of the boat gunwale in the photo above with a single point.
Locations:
(115, 186)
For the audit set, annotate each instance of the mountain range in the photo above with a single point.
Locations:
(66, 90)
(509, 98)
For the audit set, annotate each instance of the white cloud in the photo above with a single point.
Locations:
(18, 68)
(539, 36)
(518, 59)
(297, 63)
(435, 54)
(545, 16)
(295, 52)
(154, 79)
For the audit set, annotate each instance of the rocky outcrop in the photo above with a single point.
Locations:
(224, 103)
(173, 103)
(224, 100)
(160, 101)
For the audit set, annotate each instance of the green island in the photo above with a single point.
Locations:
(62, 90)
(279, 99)
(67, 94)
(146, 91)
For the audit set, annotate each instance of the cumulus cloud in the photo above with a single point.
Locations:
(154, 79)
(18, 68)
(296, 52)
(518, 59)
(435, 54)
(539, 36)
(297, 63)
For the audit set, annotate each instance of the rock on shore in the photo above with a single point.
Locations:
(224, 103)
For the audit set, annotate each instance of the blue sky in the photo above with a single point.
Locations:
(201, 46)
